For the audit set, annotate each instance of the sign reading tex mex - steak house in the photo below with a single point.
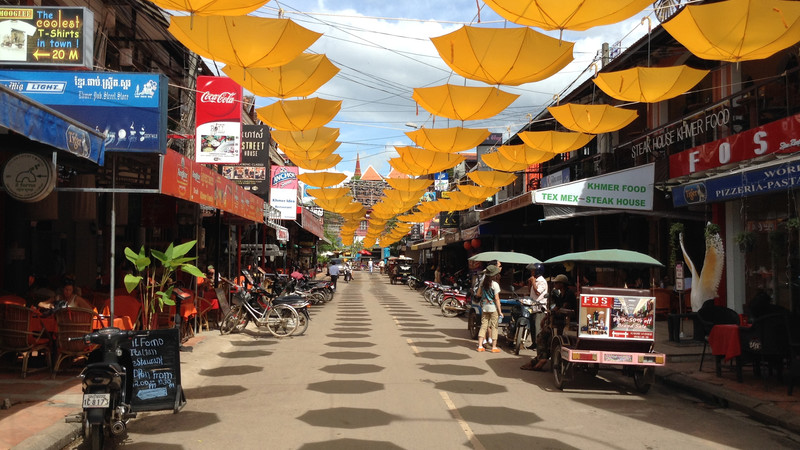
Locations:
(46, 36)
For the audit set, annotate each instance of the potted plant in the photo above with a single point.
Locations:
(746, 240)
(155, 284)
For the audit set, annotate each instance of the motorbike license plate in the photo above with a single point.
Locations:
(96, 400)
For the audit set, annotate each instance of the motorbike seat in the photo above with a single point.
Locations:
(289, 299)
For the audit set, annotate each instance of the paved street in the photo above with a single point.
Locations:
(380, 368)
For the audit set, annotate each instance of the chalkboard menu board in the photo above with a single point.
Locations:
(155, 357)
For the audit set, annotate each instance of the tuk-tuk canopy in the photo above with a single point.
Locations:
(607, 256)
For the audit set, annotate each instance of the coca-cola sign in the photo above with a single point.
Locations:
(219, 117)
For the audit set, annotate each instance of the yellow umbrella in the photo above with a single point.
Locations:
(431, 207)
(463, 102)
(409, 184)
(307, 140)
(318, 164)
(524, 154)
(312, 154)
(334, 204)
(491, 178)
(649, 84)
(481, 192)
(497, 161)
(245, 41)
(431, 161)
(575, 15)
(555, 141)
(299, 77)
(448, 139)
(322, 179)
(299, 115)
(592, 119)
(449, 205)
(328, 193)
(737, 30)
(462, 199)
(510, 56)
(212, 7)
(411, 169)
(403, 196)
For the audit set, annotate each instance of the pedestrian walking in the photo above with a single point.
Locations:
(333, 271)
(489, 293)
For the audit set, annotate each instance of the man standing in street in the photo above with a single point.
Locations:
(333, 271)
(369, 264)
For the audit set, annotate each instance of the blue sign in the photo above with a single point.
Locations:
(777, 177)
(440, 181)
(129, 109)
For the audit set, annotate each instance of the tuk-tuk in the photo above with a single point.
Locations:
(613, 327)
(402, 270)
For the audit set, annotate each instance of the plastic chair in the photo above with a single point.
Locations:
(72, 323)
(709, 315)
(18, 334)
(766, 340)
(125, 307)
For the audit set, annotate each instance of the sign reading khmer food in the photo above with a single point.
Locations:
(625, 189)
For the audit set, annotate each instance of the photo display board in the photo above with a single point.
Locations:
(618, 317)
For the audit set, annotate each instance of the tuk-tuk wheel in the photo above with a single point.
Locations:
(559, 366)
(473, 324)
(641, 380)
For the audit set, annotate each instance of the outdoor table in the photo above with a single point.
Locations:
(725, 344)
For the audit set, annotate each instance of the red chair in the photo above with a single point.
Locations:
(126, 308)
(72, 323)
(21, 333)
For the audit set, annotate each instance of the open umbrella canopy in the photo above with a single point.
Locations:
(318, 164)
(607, 256)
(491, 178)
(212, 7)
(433, 161)
(328, 193)
(523, 154)
(649, 84)
(510, 56)
(498, 161)
(592, 119)
(448, 139)
(396, 196)
(481, 192)
(575, 15)
(463, 102)
(299, 115)
(307, 140)
(737, 30)
(409, 184)
(321, 179)
(299, 77)
(505, 257)
(555, 141)
(245, 41)
(322, 153)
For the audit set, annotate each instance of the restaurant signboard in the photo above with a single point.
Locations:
(624, 189)
(283, 191)
(219, 121)
(251, 173)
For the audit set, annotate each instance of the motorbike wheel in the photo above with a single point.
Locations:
(316, 298)
(519, 339)
(449, 307)
(302, 324)
(473, 324)
(328, 294)
(559, 367)
(96, 436)
(439, 298)
(426, 294)
(282, 321)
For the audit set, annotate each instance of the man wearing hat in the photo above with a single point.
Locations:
(561, 304)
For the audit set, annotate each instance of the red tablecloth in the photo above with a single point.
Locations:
(724, 341)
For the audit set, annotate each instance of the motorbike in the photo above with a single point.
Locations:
(455, 302)
(520, 326)
(414, 282)
(281, 319)
(106, 386)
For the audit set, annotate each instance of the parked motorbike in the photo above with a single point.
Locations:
(414, 282)
(106, 386)
(520, 325)
(455, 302)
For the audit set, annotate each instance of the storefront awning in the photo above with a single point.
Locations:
(512, 204)
(43, 124)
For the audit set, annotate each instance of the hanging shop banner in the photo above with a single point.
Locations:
(781, 136)
(440, 181)
(46, 36)
(448, 219)
(625, 189)
(765, 179)
(251, 174)
(129, 109)
(219, 121)
(283, 191)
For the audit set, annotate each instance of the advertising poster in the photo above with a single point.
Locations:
(219, 121)
(129, 109)
(46, 36)
(617, 317)
(283, 191)
(251, 174)
(440, 181)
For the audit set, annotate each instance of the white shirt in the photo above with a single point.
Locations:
(539, 290)
(333, 269)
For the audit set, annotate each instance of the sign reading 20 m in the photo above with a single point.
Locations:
(46, 36)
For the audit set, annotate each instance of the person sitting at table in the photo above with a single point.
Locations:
(66, 298)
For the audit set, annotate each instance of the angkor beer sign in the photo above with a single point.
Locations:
(219, 121)
(44, 36)
(781, 136)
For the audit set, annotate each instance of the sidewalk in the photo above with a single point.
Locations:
(38, 404)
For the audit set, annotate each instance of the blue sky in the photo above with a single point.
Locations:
(383, 50)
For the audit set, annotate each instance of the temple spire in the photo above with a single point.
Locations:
(357, 172)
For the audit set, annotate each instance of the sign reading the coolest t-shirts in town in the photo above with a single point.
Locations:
(219, 121)
(283, 191)
(46, 36)
(625, 189)
(155, 356)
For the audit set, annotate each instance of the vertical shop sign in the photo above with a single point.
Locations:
(283, 191)
(46, 36)
(440, 181)
(219, 121)
(251, 174)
